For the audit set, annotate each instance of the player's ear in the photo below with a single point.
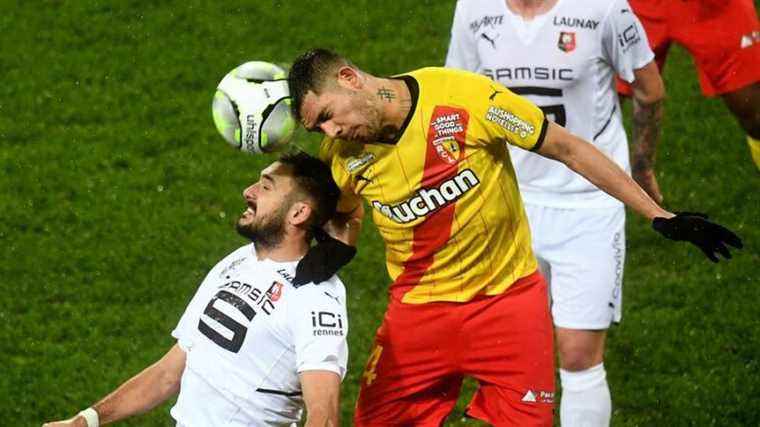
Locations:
(349, 77)
(299, 214)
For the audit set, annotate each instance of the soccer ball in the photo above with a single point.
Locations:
(251, 108)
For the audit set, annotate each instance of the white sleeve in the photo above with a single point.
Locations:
(318, 323)
(187, 324)
(463, 52)
(624, 41)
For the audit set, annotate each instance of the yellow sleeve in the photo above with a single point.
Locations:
(504, 114)
(329, 152)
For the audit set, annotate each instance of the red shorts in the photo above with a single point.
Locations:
(723, 36)
(422, 352)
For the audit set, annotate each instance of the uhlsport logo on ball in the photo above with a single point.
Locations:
(251, 108)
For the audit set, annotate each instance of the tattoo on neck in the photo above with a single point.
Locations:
(386, 94)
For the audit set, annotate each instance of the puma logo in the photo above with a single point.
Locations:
(493, 95)
(489, 40)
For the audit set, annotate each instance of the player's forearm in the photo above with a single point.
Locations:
(322, 417)
(145, 390)
(585, 159)
(347, 226)
(321, 394)
(647, 120)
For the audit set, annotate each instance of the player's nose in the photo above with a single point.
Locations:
(249, 193)
(331, 129)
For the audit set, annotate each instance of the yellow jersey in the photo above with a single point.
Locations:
(444, 196)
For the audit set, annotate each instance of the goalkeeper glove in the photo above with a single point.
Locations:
(710, 237)
(322, 260)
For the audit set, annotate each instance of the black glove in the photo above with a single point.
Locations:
(695, 228)
(323, 259)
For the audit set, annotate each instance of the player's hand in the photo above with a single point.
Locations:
(77, 421)
(647, 180)
(322, 260)
(344, 228)
(710, 237)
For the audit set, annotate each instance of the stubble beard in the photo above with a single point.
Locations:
(267, 234)
(373, 121)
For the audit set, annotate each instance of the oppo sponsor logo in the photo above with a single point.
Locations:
(428, 200)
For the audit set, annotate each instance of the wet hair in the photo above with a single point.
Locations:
(311, 72)
(314, 180)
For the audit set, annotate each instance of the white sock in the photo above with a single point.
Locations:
(586, 398)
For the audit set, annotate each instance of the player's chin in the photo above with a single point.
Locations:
(245, 228)
(362, 137)
(245, 220)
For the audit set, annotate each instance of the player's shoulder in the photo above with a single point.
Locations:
(586, 13)
(480, 8)
(448, 80)
(236, 257)
(605, 9)
(437, 73)
(329, 292)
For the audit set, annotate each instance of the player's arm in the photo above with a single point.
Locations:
(625, 48)
(139, 394)
(648, 96)
(318, 323)
(336, 241)
(335, 247)
(321, 394)
(463, 52)
(586, 160)
(345, 226)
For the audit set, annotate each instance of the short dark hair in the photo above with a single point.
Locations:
(310, 72)
(314, 179)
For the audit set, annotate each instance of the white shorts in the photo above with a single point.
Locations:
(582, 253)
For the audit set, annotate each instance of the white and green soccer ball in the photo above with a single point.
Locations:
(251, 108)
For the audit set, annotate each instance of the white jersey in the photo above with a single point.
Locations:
(565, 61)
(247, 334)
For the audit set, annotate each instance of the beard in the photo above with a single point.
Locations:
(372, 116)
(269, 232)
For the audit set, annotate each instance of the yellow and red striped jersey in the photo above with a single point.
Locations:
(444, 196)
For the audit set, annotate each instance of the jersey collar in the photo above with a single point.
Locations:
(414, 92)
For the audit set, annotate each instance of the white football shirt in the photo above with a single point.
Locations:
(247, 334)
(565, 61)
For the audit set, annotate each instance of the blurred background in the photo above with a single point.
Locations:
(117, 195)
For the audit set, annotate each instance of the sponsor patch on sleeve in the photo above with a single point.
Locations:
(510, 122)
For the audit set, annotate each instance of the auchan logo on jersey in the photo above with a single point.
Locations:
(428, 200)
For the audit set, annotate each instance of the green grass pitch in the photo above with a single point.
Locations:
(117, 195)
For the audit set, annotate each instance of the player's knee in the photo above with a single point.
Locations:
(745, 105)
(750, 122)
(577, 358)
(753, 130)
